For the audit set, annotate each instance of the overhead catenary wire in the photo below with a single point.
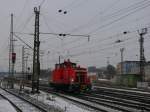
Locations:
(118, 19)
(114, 36)
(95, 51)
(100, 13)
(74, 4)
(79, 39)
(104, 39)
(118, 34)
(111, 45)
(49, 28)
(23, 41)
(21, 12)
(55, 20)
(116, 14)
(24, 25)
(108, 8)
(122, 11)
(69, 5)
(42, 2)
(83, 45)
(108, 48)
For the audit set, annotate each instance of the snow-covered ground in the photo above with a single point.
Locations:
(5, 106)
(59, 102)
(21, 104)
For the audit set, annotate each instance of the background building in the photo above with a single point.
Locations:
(129, 67)
(133, 67)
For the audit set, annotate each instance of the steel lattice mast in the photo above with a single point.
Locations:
(36, 61)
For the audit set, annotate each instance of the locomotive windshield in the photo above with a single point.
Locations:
(80, 76)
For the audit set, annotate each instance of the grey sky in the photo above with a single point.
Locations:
(104, 20)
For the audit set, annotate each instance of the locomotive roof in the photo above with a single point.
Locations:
(64, 63)
(69, 64)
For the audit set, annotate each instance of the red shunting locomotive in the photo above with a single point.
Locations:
(68, 76)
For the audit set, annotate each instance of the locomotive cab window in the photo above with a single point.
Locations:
(80, 77)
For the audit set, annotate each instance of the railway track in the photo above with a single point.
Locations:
(121, 98)
(96, 108)
(88, 104)
(116, 103)
(98, 104)
(110, 99)
(135, 96)
(24, 103)
(21, 104)
(12, 103)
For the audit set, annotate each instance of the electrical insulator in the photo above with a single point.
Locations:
(60, 34)
(65, 12)
(60, 10)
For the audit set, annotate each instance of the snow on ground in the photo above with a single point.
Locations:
(61, 103)
(5, 106)
(58, 102)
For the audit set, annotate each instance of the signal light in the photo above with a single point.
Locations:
(13, 57)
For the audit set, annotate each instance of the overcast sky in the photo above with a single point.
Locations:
(103, 20)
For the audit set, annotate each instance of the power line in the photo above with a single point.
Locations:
(120, 18)
(71, 6)
(99, 50)
(96, 16)
(116, 35)
(111, 38)
(80, 39)
(26, 23)
(120, 12)
(23, 41)
(103, 39)
(42, 3)
(21, 12)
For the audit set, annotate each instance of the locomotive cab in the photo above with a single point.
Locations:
(82, 79)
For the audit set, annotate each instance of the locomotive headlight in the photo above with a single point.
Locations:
(72, 80)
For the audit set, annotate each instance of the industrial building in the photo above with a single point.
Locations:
(130, 73)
